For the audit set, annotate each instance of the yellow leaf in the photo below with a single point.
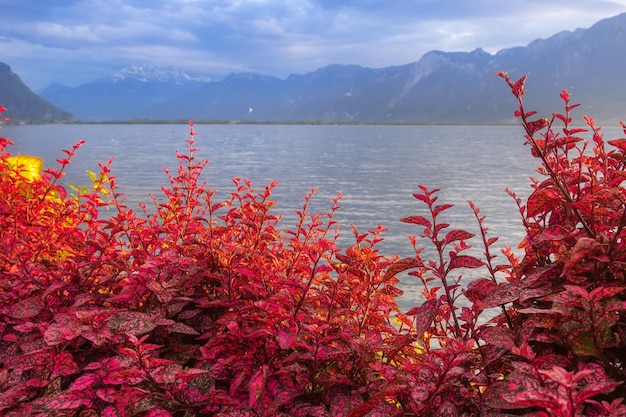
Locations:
(29, 167)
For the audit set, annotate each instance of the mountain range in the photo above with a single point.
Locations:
(442, 87)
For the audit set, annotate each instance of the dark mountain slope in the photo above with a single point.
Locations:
(22, 104)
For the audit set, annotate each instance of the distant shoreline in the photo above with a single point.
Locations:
(255, 122)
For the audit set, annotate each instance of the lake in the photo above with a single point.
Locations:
(376, 168)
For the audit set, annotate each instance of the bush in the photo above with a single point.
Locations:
(204, 307)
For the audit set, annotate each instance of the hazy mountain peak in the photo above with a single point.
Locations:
(248, 76)
(148, 73)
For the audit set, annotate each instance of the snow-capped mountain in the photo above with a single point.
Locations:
(124, 95)
(147, 73)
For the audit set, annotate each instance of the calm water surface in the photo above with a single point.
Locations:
(376, 168)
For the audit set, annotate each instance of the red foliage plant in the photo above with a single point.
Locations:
(205, 307)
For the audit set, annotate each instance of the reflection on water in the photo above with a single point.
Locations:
(376, 168)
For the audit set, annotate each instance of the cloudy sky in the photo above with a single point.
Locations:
(77, 41)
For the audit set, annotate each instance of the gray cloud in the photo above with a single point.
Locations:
(76, 41)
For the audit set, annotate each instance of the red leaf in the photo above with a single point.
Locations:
(583, 343)
(126, 376)
(600, 293)
(287, 335)
(64, 365)
(572, 295)
(456, 235)
(83, 382)
(593, 383)
(281, 389)
(568, 142)
(190, 374)
(112, 411)
(64, 401)
(518, 87)
(304, 409)
(158, 412)
(479, 288)
(536, 125)
(530, 113)
(464, 261)
(498, 337)
(505, 293)
(576, 129)
(131, 322)
(166, 374)
(425, 316)
(440, 227)
(438, 209)
(551, 233)
(619, 144)
(512, 393)
(542, 200)
(257, 384)
(64, 162)
(60, 332)
(342, 403)
(531, 398)
(617, 306)
(591, 390)
(423, 221)
(423, 197)
(27, 308)
(542, 274)
(402, 265)
(182, 328)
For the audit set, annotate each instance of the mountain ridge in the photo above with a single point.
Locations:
(441, 87)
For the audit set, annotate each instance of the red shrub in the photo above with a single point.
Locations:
(564, 341)
(204, 307)
(197, 307)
